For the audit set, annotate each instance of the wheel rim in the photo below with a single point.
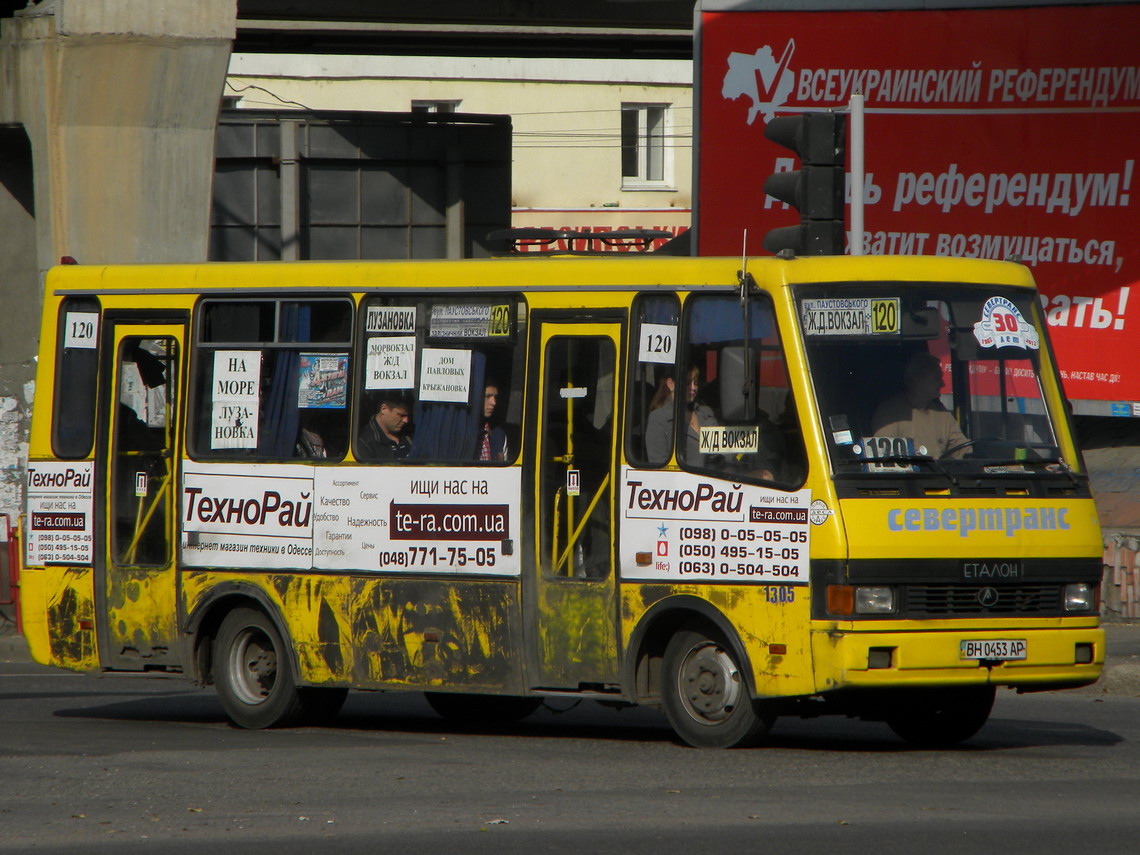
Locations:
(709, 684)
(253, 664)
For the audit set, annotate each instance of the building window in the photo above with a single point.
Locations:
(435, 106)
(644, 154)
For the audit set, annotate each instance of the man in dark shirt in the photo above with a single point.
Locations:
(383, 437)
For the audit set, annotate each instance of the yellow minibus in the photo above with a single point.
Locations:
(732, 490)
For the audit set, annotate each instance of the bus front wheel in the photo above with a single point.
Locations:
(254, 679)
(705, 694)
(938, 718)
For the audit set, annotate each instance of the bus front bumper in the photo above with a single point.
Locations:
(1027, 659)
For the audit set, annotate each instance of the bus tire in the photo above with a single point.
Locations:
(937, 718)
(481, 709)
(706, 697)
(252, 672)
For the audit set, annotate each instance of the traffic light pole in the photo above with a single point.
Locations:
(856, 241)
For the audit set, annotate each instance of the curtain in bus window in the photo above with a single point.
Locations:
(281, 420)
(713, 320)
(658, 310)
(447, 431)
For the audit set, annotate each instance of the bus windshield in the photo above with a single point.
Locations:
(932, 380)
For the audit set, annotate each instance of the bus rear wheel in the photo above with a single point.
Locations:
(706, 696)
(254, 679)
(936, 718)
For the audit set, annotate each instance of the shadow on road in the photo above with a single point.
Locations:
(408, 714)
(999, 734)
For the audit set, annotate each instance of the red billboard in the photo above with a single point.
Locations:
(990, 133)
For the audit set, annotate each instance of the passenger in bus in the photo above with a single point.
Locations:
(659, 424)
(312, 436)
(310, 445)
(383, 437)
(134, 434)
(917, 412)
(491, 442)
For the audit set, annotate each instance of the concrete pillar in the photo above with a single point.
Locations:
(19, 318)
(107, 116)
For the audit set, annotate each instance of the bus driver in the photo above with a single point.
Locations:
(917, 412)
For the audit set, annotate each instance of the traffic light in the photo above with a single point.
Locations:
(816, 189)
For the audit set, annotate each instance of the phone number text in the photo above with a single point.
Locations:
(434, 556)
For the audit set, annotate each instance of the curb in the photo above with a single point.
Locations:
(13, 647)
(1121, 680)
(1118, 679)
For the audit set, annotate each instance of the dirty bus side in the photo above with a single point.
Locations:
(639, 480)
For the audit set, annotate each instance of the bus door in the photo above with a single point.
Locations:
(572, 607)
(135, 577)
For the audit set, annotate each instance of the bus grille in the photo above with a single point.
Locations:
(957, 600)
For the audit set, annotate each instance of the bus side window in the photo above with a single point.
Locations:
(272, 379)
(652, 372)
(77, 361)
(723, 434)
(454, 365)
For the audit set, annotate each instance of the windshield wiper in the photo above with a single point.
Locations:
(912, 458)
(1052, 467)
(1064, 467)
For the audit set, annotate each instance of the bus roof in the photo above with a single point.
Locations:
(521, 273)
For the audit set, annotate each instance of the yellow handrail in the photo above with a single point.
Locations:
(142, 520)
(581, 525)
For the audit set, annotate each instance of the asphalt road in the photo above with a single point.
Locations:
(146, 764)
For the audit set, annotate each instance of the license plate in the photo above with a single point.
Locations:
(1001, 649)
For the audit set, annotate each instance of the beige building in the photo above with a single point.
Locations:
(598, 143)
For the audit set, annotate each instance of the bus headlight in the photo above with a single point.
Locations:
(1080, 597)
(860, 599)
(874, 600)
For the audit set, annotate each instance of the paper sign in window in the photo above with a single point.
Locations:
(390, 362)
(658, 343)
(81, 330)
(235, 399)
(445, 375)
(390, 320)
(322, 381)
